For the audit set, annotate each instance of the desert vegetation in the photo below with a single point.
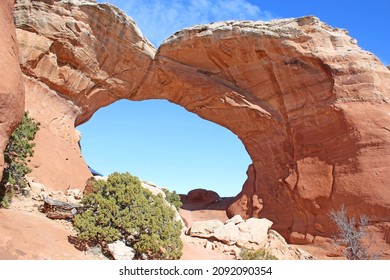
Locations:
(17, 152)
(260, 254)
(121, 209)
(351, 234)
(173, 198)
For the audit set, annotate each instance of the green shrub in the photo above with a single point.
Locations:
(260, 254)
(173, 198)
(16, 154)
(121, 209)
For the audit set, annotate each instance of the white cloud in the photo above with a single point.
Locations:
(160, 19)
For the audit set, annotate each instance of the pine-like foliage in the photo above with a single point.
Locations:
(173, 198)
(121, 209)
(19, 148)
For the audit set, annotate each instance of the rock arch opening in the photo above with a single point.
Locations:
(163, 143)
(310, 106)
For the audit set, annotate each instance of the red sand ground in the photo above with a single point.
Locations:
(28, 234)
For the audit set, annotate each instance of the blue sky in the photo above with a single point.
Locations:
(162, 142)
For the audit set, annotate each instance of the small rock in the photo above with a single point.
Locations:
(278, 247)
(209, 245)
(217, 245)
(119, 251)
(75, 193)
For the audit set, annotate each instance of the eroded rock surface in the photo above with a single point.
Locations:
(251, 234)
(76, 56)
(310, 106)
(11, 84)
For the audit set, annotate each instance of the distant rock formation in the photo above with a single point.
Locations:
(309, 105)
(200, 196)
(11, 83)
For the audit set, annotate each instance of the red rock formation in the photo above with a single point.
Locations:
(309, 105)
(11, 84)
(75, 61)
(201, 196)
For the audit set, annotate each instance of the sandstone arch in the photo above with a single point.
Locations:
(309, 105)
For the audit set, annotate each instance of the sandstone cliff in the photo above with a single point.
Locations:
(309, 105)
(11, 84)
(76, 56)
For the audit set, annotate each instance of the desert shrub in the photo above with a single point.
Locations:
(173, 198)
(351, 234)
(19, 148)
(260, 254)
(121, 209)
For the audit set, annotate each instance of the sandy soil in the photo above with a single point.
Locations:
(32, 236)
(27, 234)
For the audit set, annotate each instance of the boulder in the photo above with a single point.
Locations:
(119, 251)
(230, 234)
(299, 238)
(277, 246)
(244, 232)
(75, 193)
(258, 229)
(37, 189)
(204, 229)
(237, 219)
(252, 234)
(55, 209)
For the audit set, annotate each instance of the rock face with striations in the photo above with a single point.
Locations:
(11, 84)
(310, 106)
(76, 56)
